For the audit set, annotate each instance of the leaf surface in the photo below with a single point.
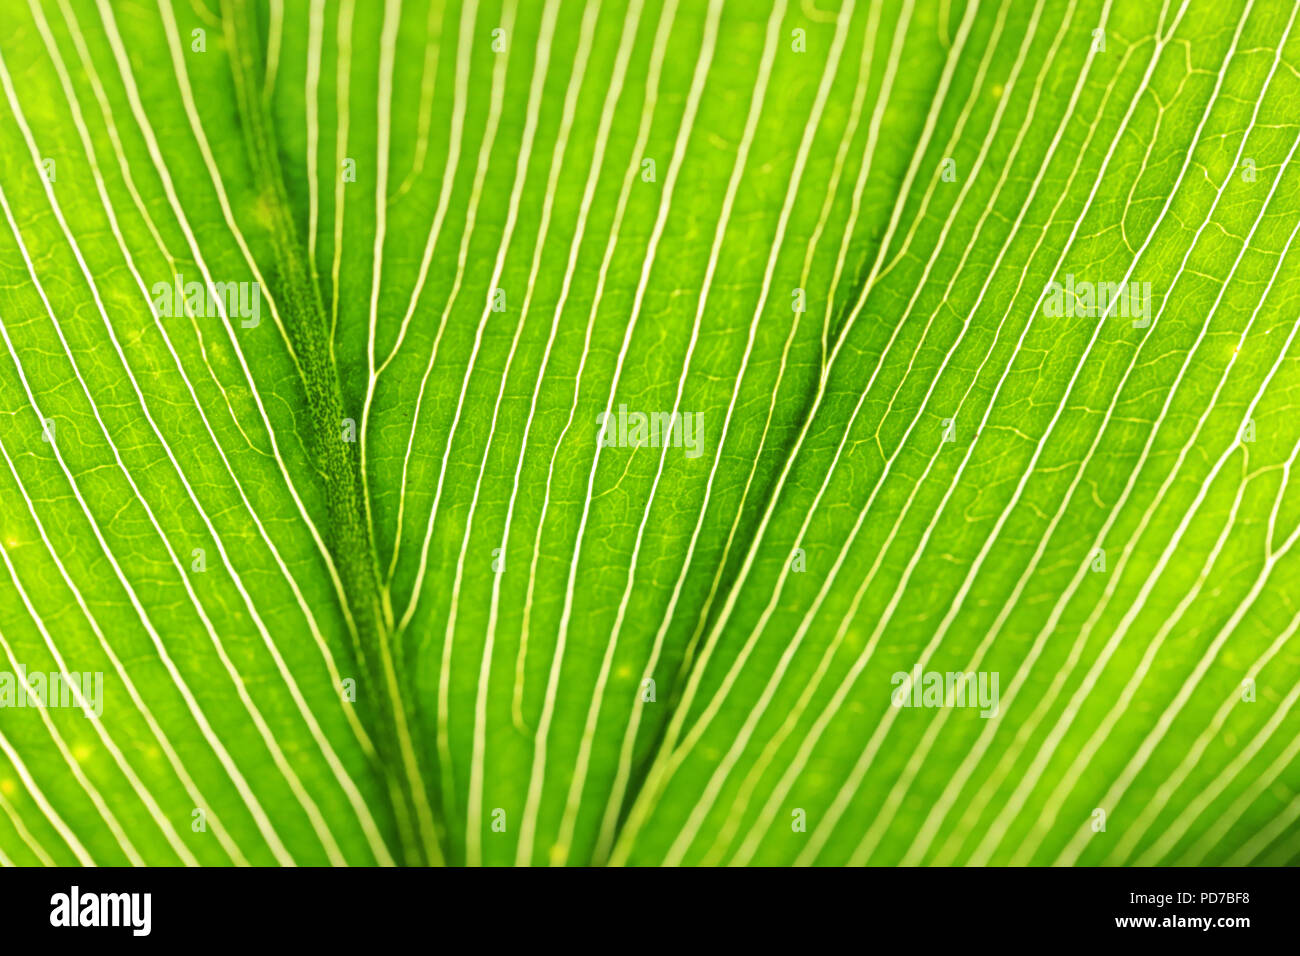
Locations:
(375, 568)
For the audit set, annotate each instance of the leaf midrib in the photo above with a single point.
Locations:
(348, 535)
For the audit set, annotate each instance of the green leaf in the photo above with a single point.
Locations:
(681, 432)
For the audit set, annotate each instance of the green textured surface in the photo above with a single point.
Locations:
(513, 161)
